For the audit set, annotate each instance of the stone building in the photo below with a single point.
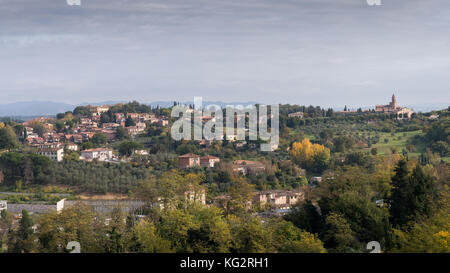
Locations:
(209, 161)
(394, 108)
(188, 161)
(279, 199)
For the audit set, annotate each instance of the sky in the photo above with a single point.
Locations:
(319, 52)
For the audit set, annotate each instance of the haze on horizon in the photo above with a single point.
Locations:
(319, 52)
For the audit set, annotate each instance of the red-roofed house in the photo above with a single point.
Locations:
(188, 161)
(209, 161)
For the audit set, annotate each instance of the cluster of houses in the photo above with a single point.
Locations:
(34, 139)
(53, 144)
(140, 120)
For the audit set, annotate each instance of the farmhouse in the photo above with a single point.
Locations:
(248, 167)
(209, 161)
(188, 161)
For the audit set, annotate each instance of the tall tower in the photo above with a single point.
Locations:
(394, 102)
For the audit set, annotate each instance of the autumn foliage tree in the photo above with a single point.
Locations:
(313, 157)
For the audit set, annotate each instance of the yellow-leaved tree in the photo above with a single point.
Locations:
(314, 157)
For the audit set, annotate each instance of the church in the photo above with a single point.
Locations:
(393, 108)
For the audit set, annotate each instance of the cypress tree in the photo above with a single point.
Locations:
(412, 195)
(398, 202)
(423, 192)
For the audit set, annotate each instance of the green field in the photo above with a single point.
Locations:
(398, 140)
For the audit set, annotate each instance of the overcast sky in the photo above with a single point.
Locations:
(320, 52)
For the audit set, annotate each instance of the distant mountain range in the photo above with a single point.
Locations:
(49, 108)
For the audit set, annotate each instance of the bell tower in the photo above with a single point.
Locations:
(394, 102)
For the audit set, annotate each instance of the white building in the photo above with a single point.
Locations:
(3, 205)
(100, 154)
(55, 154)
(60, 205)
